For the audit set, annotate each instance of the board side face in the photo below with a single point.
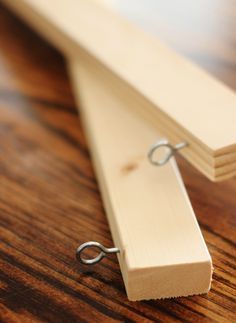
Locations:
(150, 67)
(146, 208)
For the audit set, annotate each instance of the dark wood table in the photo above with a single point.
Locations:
(49, 197)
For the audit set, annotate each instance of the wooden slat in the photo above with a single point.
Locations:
(202, 109)
(149, 213)
(140, 106)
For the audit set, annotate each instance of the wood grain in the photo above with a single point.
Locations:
(49, 200)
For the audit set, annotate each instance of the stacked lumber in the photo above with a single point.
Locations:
(183, 102)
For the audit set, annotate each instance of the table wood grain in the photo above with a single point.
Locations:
(50, 200)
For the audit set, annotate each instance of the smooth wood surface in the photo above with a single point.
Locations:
(162, 252)
(184, 102)
(50, 201)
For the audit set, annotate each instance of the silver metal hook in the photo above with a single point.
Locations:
(164, 143)
(94, 244)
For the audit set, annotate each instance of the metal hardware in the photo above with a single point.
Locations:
(94, 244)
(164, 143)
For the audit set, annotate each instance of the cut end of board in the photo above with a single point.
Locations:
(169, 281)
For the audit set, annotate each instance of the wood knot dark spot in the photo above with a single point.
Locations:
(129, 168)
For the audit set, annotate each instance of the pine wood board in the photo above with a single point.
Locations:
(139, 106)
(199, 106)
(162, 251)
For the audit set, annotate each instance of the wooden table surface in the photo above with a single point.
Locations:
(49, 198)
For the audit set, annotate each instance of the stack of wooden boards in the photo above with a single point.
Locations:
(181, 100)
(131, 86)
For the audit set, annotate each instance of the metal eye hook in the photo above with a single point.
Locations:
(172, 152)
(94, 244)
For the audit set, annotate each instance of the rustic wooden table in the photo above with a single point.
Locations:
(50, 201)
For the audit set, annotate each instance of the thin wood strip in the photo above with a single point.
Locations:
(147, 66)
(141, 105)
(215, 174)
(147, 207)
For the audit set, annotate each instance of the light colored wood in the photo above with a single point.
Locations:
(223, 170)
(163, 253)
(181, 95)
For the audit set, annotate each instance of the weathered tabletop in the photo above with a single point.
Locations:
(49, 198)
